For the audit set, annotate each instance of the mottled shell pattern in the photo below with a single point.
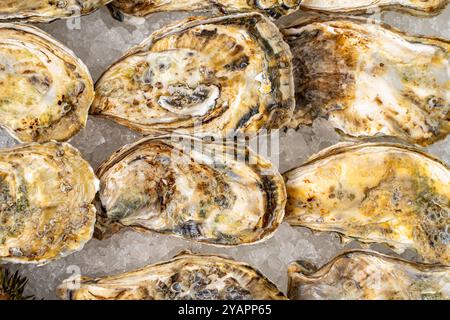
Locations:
(221, 75)
(183, 186)
(46, 10)
(45, 91)
(187, 276)
(370, 80)
(368, 275)
(276, 8)
(46, 195)
(273, 8)
(375, 192)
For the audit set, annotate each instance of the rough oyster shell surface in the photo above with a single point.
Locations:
(46, 11)
(220, 75)
(187, 276)
(370, 80)
(273, 8)
(367, 275)
(183, 186)
(416, 7)
(375, 192)
(45, 91)
(46, 194)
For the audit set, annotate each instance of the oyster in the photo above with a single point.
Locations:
(375, 192)
(187, 276)
(273, 8)
(367, 275)
(220, 75)
(46, 192)
(46, 11)
(45, 91)
(427, 7)
(183, 186)
(370, 80)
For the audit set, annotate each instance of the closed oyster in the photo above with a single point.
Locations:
(46, 192)
(427, 7)
(46, 11)
(273, 8)
(375, 192)
(187, 276)
(367, 275)
(220, 75)
(369, 80)
(45, 91)
(205, 191)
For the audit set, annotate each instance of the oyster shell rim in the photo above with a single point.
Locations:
(290, 29)
(313, 272)
(96, 183)
(180, 26)
(87, 77)
(47, 20)
(103, 222)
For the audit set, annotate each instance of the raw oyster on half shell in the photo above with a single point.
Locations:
(187, 276)
(273, 8)
(367, 275)
(46, 210)
(47, 10)
(223, 194)
(370, 80)
(375, 192)
(221, 75)
(45, 91)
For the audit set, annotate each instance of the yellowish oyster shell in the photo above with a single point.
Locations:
(46, 210)
(222, 75)
(45, 91)
(45, 10)
(370, 80)
(415, 7)
(187, 276)
(273, 8)
(367, 275)
(375, 192)
(199, 190)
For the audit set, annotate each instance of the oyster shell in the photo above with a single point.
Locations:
(370, 80)
(375, 192)
(273, 8)
(219, 75)
(46, 11)
(428, 7)
(183, 186)
(187, 276)
(46, 192)
(367, 275)
(45, 91)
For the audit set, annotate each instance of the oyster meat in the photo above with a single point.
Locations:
(370, 80)
(416, 7)
(273, 8)
(45, 91)
(375, 192)
(367, 275)
(183, 186)
(46, 210)
(45, 10)
(186, 277)
(220, 75)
